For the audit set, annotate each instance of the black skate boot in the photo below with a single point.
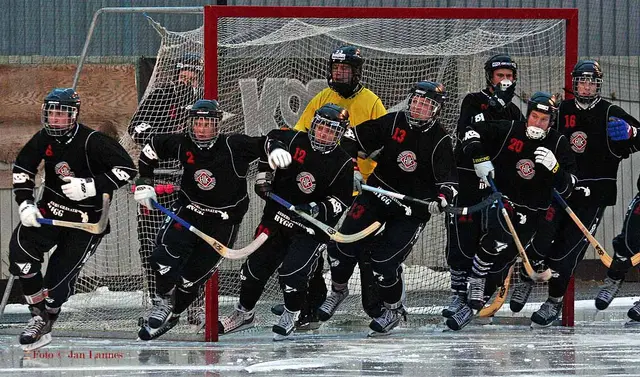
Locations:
(330, 305)
(548, 312)
(37, 333)
(457, 301)
(608, 292)
(520, 295)
(147, 332)
(286, 325)
(460, 319)
(387, 321)
(238, 320)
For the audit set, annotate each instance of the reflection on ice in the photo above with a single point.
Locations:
(594, 349)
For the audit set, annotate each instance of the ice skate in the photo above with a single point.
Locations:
(330, 305)
(387, 321)
(240, 319)
(608, 292)
(458, 301)
(286, 325)
(520, 295)
(147, 332)
(548, 312)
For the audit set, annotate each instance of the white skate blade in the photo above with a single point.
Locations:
(279, 338)
(632, 323)
(538, 326)
(43, 341)
(375, 334)
(240, 328)
(146, 333)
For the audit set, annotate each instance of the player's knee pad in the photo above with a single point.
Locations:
(387, 273)
(247, 277)
(164, 264)
(23, 269)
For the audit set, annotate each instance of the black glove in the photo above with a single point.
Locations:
(500, 97)
(311, 209)
(263, 184)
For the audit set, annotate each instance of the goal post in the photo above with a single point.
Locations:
(265, 63)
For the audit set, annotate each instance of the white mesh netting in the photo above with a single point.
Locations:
(268, 69)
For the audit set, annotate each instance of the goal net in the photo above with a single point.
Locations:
(264, 64)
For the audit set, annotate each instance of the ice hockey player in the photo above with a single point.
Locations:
(346, 90)
(213, 198)
(417, 160)
(531, 159)
(80, 165)
(492, 103)
(625, 245)
(164, 111)
(319, 182)
(601, 135)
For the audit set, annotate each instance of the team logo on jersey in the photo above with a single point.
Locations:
(63, 170)
(578, 141)
(526, 168)
(205, 179)
(306, 182)
(407, 161)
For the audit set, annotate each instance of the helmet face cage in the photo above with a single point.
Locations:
(586, 87)
(204, 130)
(349, 56)
(587, 81)
(58, 118)
(496, 62)
(541, 103)
(325, 134)
(422, 110)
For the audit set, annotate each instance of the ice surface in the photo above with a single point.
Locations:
(605, 348)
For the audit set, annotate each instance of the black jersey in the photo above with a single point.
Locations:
(86, 154)
(597, 156)
(324, 178)
(415, 161)
(474, 104)
(512, 153)
(163, 111)
(214, 180)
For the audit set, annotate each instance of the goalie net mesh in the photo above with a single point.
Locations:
(267, 71)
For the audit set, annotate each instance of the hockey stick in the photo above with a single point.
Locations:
(219, 247)
(604, 257)
(93, 228)
(535, 276)
(497, 303)
(449, 209)
(330, 231)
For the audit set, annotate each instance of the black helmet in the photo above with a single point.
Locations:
(497, 62)
(64, 100)
(545, 103)
(347, 55)
(330, 116)
(207, 114)
(435, 93)
(190, 62)
(587, 71)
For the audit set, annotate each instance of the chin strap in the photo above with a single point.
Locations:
(587, 106)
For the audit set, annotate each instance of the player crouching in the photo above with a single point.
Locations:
(212, 197)
(80, 165)
(319, 182)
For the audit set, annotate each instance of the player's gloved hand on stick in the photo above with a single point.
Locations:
(358, 181)
(144, 193)
(446, 195)
(79, 188)
(279, 159)
(618, 129)
(263, 185)
(29, 214)
(547, 159)
(484, 168)
(311, 209)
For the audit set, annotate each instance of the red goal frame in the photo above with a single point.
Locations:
(212, 13)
